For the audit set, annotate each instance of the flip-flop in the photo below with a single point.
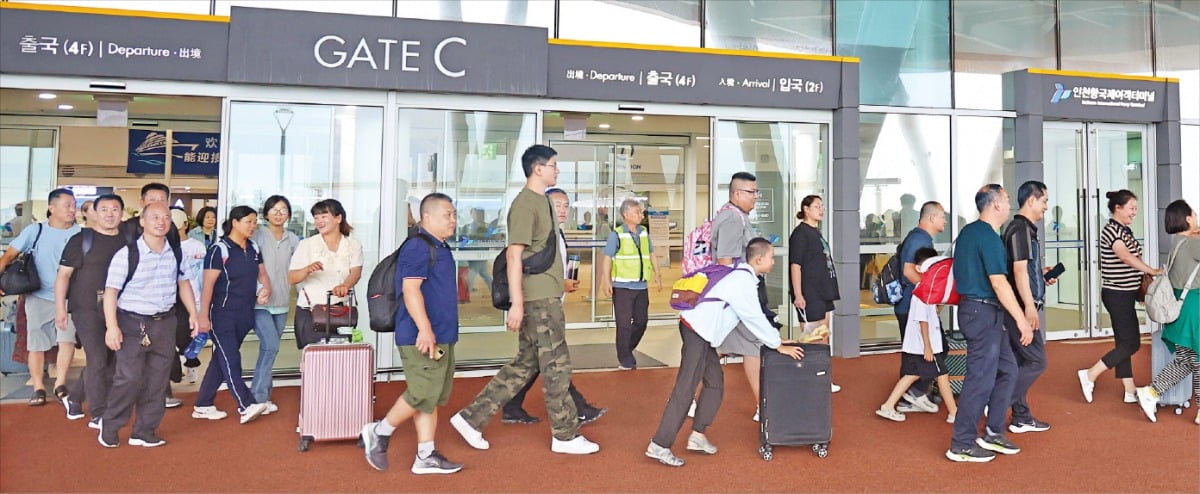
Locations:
(60, 392)
(38, 399)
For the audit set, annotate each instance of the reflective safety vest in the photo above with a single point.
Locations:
(632, 262)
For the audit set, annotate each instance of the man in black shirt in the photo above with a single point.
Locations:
(1026, 275)
(81, 276)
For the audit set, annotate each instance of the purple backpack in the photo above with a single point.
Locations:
(691, 290)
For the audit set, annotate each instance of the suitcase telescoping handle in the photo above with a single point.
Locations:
(331, 332)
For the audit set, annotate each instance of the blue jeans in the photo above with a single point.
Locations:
(269, 328)
(991, 372)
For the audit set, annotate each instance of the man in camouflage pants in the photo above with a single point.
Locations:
(536, 314)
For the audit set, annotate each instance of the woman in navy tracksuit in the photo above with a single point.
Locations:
(234, 280)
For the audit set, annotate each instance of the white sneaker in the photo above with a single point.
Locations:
(252, 412)
(210, 413)
(756, 414)
(890, 414)
(469, 434)
(700, 444)
(833, 388)
(1148, 399)
(949, 419)
(1086, 385)
(190, 374)
(578, 446)
(924, 404)
(271, 407)
(1130, 398)
(692, 410)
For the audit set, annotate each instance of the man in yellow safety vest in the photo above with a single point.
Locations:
(625, 269)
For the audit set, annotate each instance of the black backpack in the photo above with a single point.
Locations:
(135, 256)
(889, 288)
(382, 299)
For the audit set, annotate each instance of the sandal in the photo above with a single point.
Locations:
(60, 392)
(38, 399)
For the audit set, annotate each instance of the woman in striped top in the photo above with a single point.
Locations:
(1121, 269)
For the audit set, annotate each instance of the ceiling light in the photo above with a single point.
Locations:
(638, 118)
(47, 96)
(65, 106)
(605, 126)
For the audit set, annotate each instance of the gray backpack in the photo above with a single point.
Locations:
(1161, 304)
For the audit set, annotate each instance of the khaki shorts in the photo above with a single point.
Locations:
(429, 380)
(39, 314)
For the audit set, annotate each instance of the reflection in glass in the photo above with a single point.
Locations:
(904, 46)
(538, 13)
(674, 23)
(27, 165)
(1067, 305)
(1105, 36)
(992, 37)
(1177, 51)
(787, 26)
(905, 162)
(1119, 156)
(982, 157)
(466, 155)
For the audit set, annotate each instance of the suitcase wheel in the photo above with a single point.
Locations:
(822, 450)
(1178, 410)
(766, 451)
(305, 443)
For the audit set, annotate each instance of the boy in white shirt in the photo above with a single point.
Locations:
(922, 353)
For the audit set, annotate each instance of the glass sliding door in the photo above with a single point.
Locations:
(585, 171)
(1081, 163)
(27, 163)
(790, 161)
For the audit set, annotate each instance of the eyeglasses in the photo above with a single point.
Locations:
(754, 192)
(554, 166)
(278, 211)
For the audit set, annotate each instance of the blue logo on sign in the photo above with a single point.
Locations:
(1060, 93)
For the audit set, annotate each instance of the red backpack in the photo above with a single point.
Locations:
(937, 282)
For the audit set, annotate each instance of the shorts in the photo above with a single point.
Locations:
(39, 316)
(740, 342)
(916, 365)
(429, 381)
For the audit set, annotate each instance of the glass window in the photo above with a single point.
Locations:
(981, 156)
(539, 13)
(788, 26)
(904, 46)
(176, 6)
(1105, 35)
(631, 21)
(1190, 135)
(28, 167)
(992, 37)
(309, 153)
(905, 162)
(356, 7)
(1177, 50)
(466, 155)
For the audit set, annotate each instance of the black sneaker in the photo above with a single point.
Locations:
(591, 414)
(998, 444)
(970, 455)
(146, 441)
(1031, 425)
(375, 447)
(435, 463)
(74, 410)
(96, 423)
(108, 438)
(519, 416)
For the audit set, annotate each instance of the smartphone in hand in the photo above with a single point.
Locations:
(1058, 270)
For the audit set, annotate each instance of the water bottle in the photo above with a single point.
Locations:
(197, 344)
(573, 267)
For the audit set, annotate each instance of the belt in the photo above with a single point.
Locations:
(156, 317)
(988, 301)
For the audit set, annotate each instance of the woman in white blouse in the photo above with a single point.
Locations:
(330, 261)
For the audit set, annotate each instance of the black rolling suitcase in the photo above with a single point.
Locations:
(796, 404)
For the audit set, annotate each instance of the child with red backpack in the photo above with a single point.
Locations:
(923, 352)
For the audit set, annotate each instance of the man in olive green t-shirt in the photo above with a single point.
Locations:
(536, 315)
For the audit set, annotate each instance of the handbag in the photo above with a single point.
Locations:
(1161, 304)
(329, 316)
(21, 276)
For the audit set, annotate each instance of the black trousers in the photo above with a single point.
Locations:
(141, 372)
(97, 379)
(631, 310)
(698, 363)
(1120, 307)
(518, 400)
(925, 384)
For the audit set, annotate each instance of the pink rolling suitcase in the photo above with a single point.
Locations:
(336, 391)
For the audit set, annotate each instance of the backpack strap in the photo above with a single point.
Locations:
(89, 236)
(35, 239)
(428, 241)
(134, 257)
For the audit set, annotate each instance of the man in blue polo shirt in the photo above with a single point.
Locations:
(981, 277)
(426, 331)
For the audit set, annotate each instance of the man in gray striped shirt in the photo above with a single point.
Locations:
(141, 328)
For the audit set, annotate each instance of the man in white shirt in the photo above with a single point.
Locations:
(733, 299)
